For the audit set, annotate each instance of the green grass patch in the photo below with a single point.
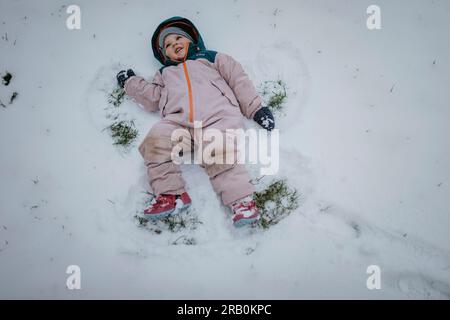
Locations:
(123, 132)
(275, 203)
(274, 95)
(183, 221)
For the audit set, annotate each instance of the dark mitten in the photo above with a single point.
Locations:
(264, 118)
(123, 76)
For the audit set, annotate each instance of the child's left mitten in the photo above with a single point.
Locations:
(264, 118)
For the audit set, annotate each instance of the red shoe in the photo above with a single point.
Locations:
(244, 212)
(166, 205)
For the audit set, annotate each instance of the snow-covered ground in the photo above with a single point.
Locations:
(365, 140)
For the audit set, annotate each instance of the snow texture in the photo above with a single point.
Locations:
(364, 140)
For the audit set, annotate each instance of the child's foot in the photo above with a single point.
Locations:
(244, 212)
(166, 205)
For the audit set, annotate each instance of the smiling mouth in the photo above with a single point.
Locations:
(178, 50)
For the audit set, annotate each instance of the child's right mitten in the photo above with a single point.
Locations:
(123, 76)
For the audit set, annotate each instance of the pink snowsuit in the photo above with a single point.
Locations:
(210, 87)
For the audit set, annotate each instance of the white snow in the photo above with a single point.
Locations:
(365, 140)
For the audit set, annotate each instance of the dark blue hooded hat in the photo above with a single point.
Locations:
(196, 48)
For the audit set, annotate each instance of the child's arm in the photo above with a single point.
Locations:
(239, 82)
(145, 93)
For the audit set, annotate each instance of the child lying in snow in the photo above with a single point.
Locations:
(194, 84)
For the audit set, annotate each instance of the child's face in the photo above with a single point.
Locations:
(176, 46)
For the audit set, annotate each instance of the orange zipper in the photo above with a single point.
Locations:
(191, 106)
(188, 80)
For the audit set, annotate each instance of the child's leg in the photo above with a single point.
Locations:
(230, 181)
(164, 176)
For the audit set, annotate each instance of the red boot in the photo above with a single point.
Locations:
(166, 205)
(244, 212)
